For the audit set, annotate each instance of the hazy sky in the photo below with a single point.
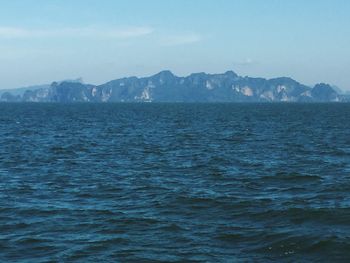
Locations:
(100, 40)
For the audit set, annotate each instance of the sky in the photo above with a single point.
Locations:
(99, 40)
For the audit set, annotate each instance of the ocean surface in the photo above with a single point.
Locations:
(174, 183)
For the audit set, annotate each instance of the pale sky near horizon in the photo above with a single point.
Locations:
(99, 40)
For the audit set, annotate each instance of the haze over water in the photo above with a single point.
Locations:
(174, 182)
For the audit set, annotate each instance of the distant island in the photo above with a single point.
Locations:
(166, 87)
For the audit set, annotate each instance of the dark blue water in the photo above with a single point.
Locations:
(174, 182)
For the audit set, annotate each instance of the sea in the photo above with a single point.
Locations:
(174, 182)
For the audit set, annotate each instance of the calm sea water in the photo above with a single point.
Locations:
(174, 182)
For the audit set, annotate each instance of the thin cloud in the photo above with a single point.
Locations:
(245, 62)
(185, 39)
(87, 32)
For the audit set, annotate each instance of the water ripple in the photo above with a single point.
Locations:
(174, 183)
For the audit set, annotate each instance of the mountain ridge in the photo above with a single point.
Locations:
(167, 87)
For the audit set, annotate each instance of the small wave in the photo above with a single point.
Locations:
(304, 247)
(227, 237)
(292, 177)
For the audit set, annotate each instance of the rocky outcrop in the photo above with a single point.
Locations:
(197, 87)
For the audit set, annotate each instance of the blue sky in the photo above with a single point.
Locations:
(99, 40)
